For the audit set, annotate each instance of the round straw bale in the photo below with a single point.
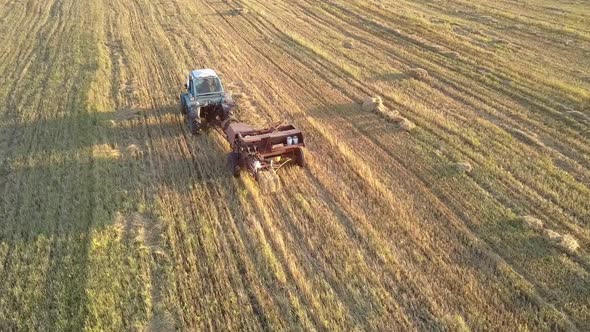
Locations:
(371, 103)
(533, 223)
(463, 167)
(420, 74)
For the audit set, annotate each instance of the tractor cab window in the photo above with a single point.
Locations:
(207, 85)
(190, 86)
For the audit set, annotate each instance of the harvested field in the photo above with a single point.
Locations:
(114, 217)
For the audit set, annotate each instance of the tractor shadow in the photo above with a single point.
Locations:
(77, 175)
(148, 139)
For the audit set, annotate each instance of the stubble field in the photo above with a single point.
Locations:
(113, 217)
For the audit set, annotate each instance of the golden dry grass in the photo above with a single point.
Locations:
(113, 217)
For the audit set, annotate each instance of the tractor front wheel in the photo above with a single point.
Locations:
(193, 125)
(182, 106)
(299, 157)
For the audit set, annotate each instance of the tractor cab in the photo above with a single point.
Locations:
(204, 98)
(205, 86)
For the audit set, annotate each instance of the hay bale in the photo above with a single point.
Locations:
(389, 115)
(533, 223)
(463, 167)
(105, 151)
(392, 116)
(407, 125)
(566, 242)
(397, 118)
(349, 44)
(134, 151)
(370, 104)
(552, 235)
(420, 74)
(529, 139)
(451, 54)
(269, 182)
(569, 243)
(241, 10)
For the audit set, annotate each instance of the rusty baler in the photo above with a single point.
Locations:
(261, 152)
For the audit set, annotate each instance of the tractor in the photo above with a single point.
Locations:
(260, 152)
(204, 98)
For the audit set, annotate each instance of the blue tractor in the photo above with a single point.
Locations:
(204, 99)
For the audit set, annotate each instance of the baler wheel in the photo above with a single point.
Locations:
(233, 163)
(299, 157)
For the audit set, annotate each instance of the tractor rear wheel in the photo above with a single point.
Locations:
(234, 164)
(299, 157)
(224, 114)
(193, 125)
(182, 106)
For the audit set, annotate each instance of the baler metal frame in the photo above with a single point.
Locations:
(257, 150)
